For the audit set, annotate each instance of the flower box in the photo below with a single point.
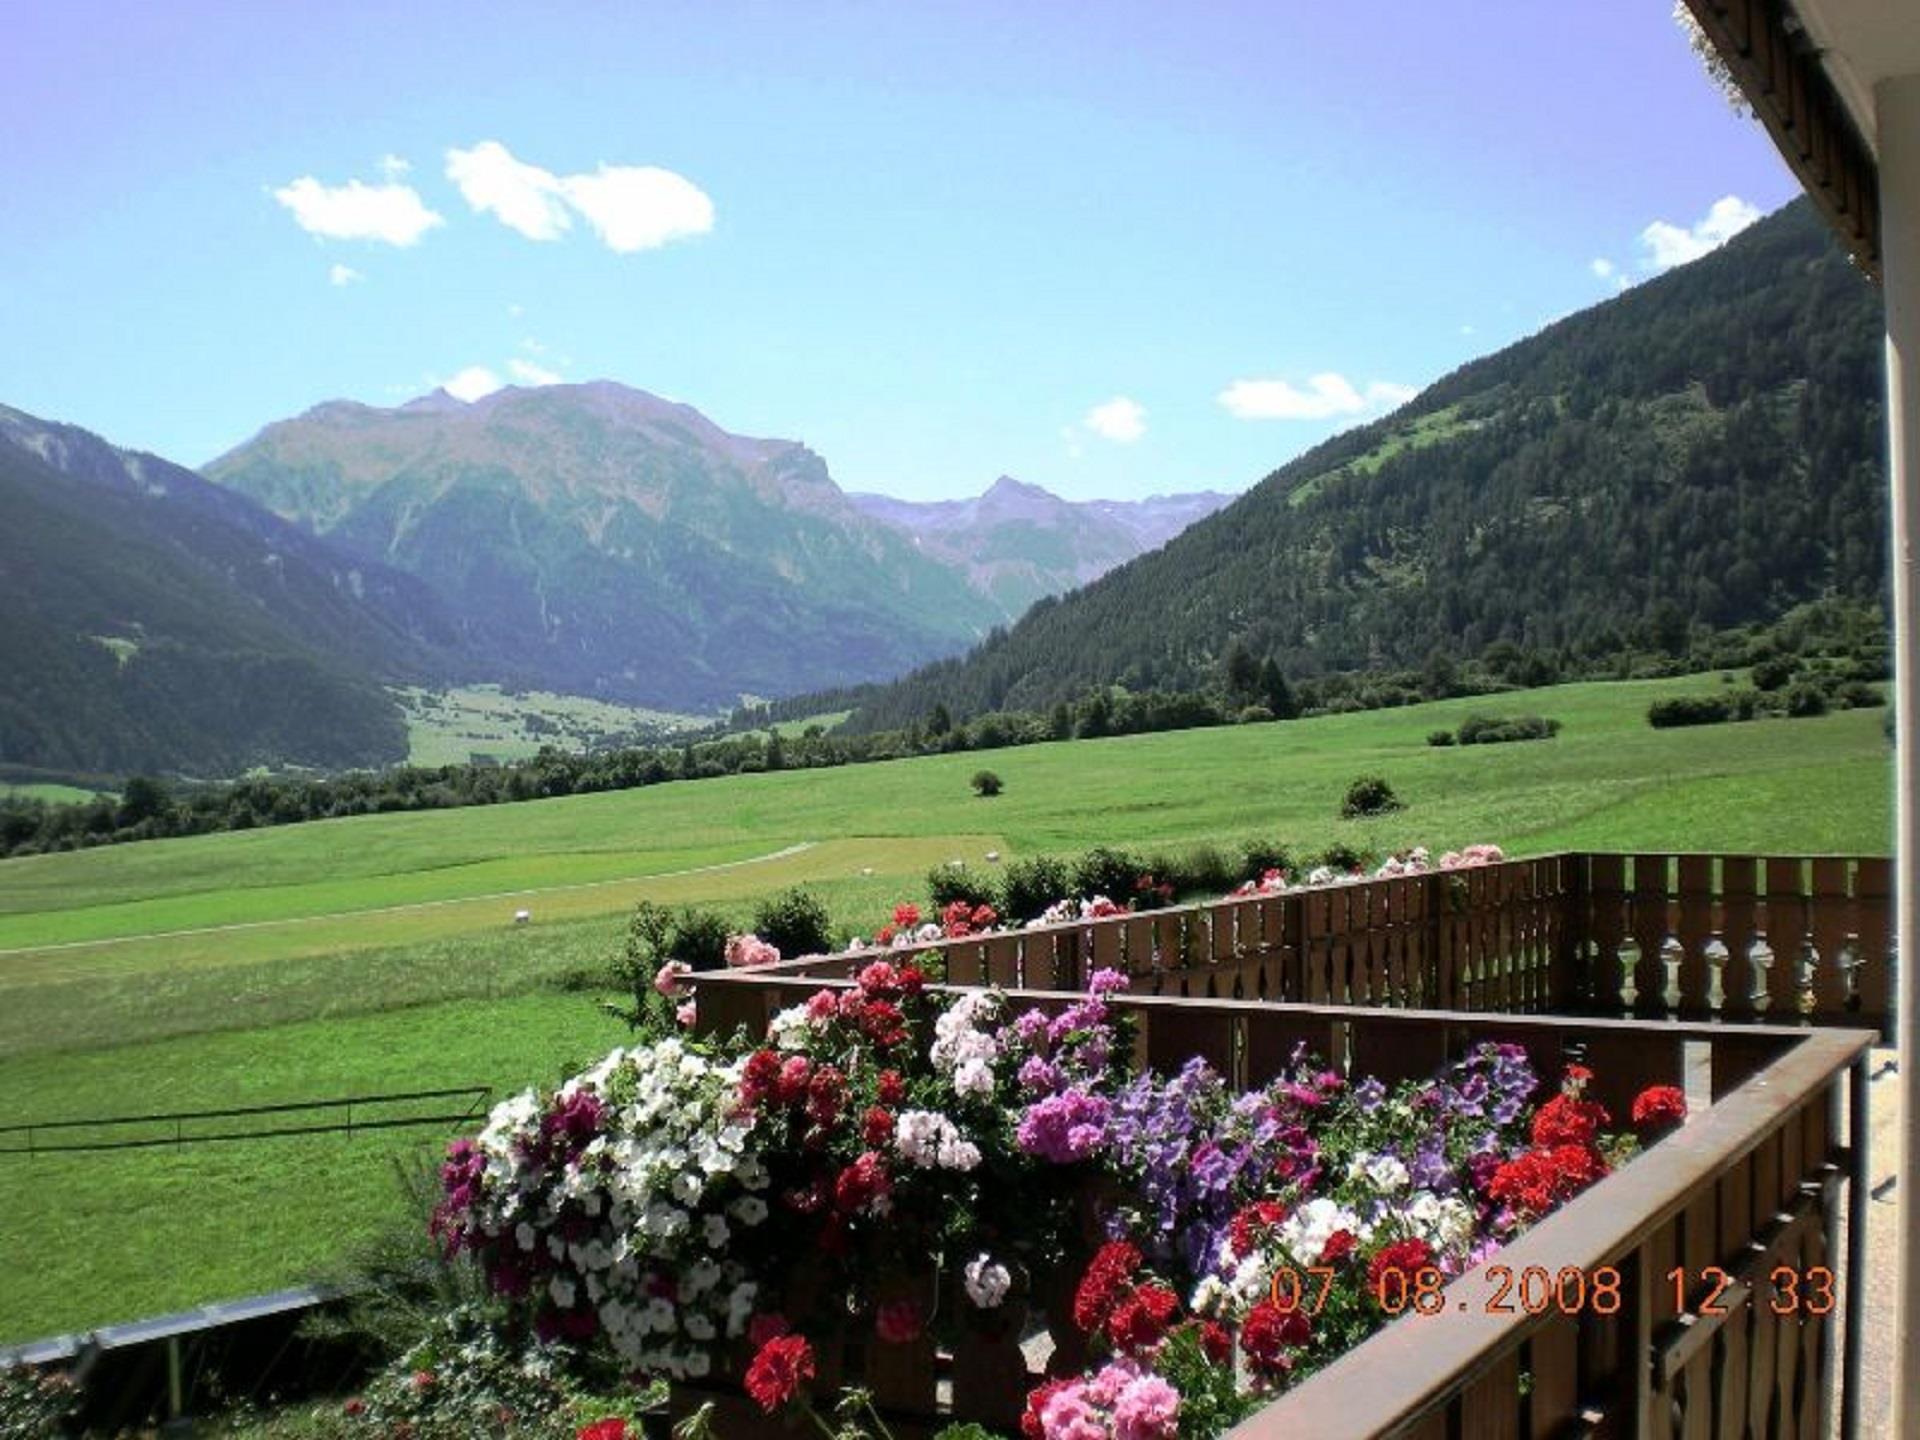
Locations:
(883, 1124)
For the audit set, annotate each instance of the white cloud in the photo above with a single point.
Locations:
(524, 197)
(1602, 268)
(472, 383)
(392, 214)
(1466, 329)
(338, 274)
(1120, 420)
(393, 167)
(528, 373)
(639, 207)
(1325, 396)
(629, 207)
(1667, 245)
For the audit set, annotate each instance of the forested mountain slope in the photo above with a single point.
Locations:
(155, 623)
(1705, 449)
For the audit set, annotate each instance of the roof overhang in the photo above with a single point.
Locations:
(1808, 69)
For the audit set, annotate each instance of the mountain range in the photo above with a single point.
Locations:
(589, 539)
(1019, 543)
(1705, 450)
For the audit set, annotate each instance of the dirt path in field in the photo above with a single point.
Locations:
(414, 906)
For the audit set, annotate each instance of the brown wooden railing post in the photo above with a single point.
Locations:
(1570, 988)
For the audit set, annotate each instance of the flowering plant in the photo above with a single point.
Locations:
(682, 1206)
(613, 1205)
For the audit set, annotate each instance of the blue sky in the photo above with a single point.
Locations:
(1106, 248)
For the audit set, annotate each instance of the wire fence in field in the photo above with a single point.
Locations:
(348, 1115)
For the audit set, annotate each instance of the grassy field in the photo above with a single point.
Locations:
(450, 727)
(378, 952)
(52, 794)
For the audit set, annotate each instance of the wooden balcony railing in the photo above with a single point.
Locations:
(1751, 1186)
(1781, 939)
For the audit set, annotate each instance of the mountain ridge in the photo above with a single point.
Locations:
(613, 542)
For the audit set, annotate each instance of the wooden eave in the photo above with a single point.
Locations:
(1767, 53)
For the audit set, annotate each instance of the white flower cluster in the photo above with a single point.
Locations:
(930, 1141)
(1444, 1221)
(962, 1050)
(1385, 1173)
(987, 1282)
(1241, 1282)
(638, 1223)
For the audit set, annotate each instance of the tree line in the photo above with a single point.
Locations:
(1242, 691)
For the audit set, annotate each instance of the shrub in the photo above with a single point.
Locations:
(1773, 673)
(1689, 710)
(986, 784)
(1858, 695)
(948, 883)
(1202, 869)
(1369, 795)
(1105, 871)
(1259, 856)
(1253, 715)
(1500, 730)
(1343, 858)
(1030, 886)
(699, 939)
(795, 922)
(1439, 737)
(1806, 699)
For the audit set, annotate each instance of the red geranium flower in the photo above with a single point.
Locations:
(1339, 1246)
(784, 1364)
(1565, 1120)
(825, 1093)
(906, 916)
(1409, 1257)
(876, 1127)
(1100, 1288)
(1139, 1322)
(1269, 1331)
(612, 1428)
(1658, 1109)
(791, 1087)
(1215, 1343)
(1246, 1228)
(861, 1184)
(882, 1023)
(893, 1089)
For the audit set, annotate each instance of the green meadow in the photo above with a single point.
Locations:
(380, 952)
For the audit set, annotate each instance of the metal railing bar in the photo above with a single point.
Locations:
(229, 1135)
(178, 1116)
